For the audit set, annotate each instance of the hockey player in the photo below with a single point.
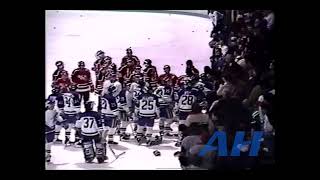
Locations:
(57, 73)
(187, 96)
(135, 90)
(126, 72)
(167, 76)
(166, 97)
(90, 127)
(150, 74)
(63, 83)
(69, 106)
(52, 117)
(101, 77)
(123, 112)
(147, 108)
(109, 111)
(100, 55)
(108, 68)
(113, 81)
(82, 79)
(129, 55)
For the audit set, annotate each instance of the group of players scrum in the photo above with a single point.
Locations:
(128, 97)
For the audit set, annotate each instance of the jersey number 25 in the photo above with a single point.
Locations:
(147, 105)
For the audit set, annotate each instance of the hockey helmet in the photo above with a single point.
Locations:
(147, 62)
(81, 64)
(107, 59)
(89, 105)
(129, 51)
(166, 67)
(100, 53)
(59, 63)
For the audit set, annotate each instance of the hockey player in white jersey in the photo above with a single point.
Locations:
(109, 110)
(166, 97)
(52, 117)
(136, 89)
(147, 108)
(69, 106)
(89, 125)
(187, 96)
(112, 82)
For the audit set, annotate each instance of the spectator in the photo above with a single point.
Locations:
(217, 62)
(190, 69)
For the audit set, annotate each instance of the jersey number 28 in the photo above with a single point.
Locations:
(187, 100)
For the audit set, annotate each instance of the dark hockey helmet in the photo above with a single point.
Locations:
(107, 59)
(99, 53)
(81, 64)
(147, 62)
(59, 63)
(129, 51)
(89, 105)
(166, 67)
(156, 153)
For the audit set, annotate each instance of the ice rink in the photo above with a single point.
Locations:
(73, 36)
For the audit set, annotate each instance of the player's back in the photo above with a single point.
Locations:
(90, 123)
(186, 99)
(69, 102)
(165, 95)
(108, 105)
(148, 104)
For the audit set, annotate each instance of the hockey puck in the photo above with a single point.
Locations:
(181, 64)
(81, 15)
(192, 31)
(156, 153)
(54, 27)
(148, 38)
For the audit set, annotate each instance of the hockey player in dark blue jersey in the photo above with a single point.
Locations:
(108, 107)
(89, 125)
(69, 106)
(147, 108)
(123, 112)
(166, 102)
(52, 118)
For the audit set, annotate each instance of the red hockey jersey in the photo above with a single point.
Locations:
(82, 78)
(166, 77)
(63, 84)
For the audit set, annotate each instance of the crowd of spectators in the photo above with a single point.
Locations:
(242, 83)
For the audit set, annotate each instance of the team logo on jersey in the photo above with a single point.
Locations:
(83, 77)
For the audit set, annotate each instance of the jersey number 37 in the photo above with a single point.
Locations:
(88, 122)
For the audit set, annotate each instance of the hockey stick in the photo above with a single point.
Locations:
(114, 154)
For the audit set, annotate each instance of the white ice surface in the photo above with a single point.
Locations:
(73, 36)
